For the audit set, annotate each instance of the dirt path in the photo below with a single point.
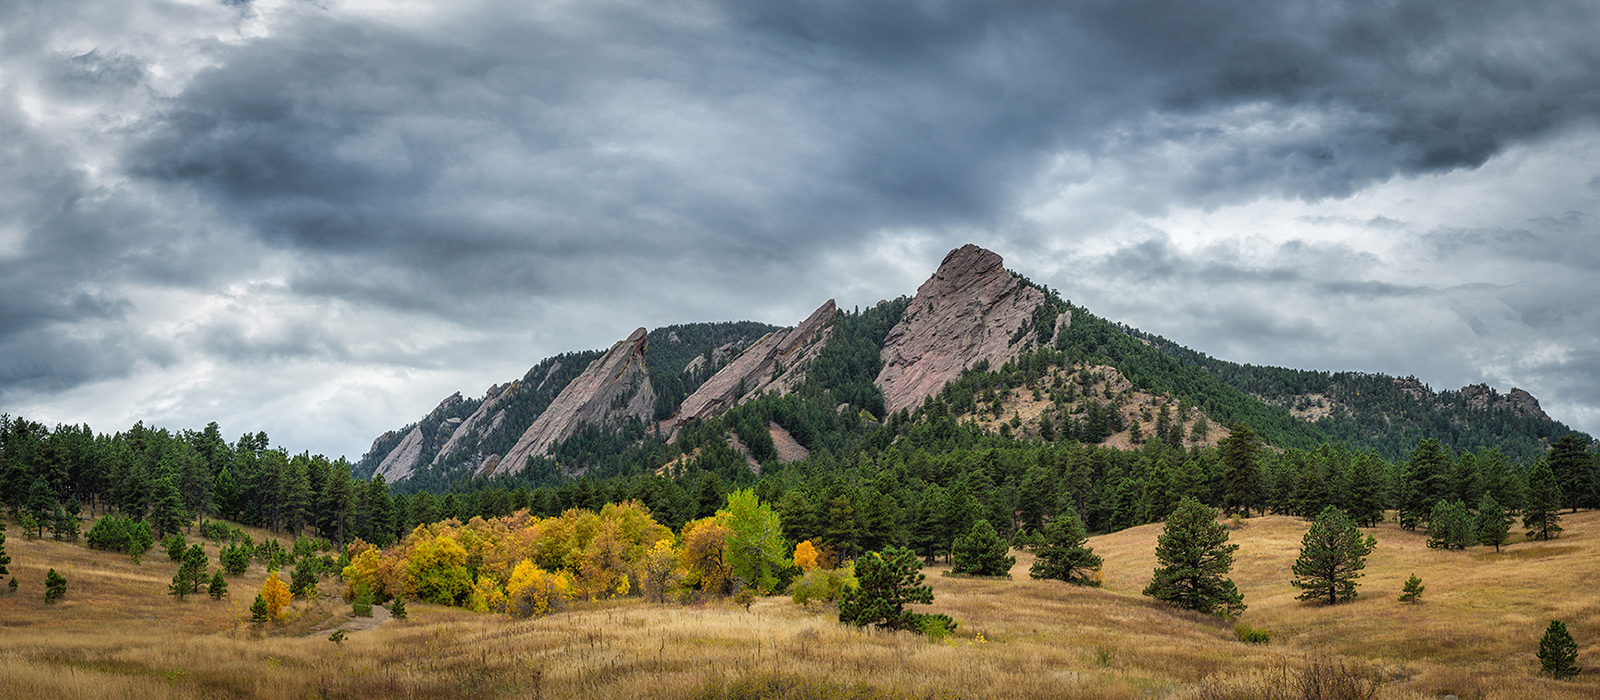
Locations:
(380, 614)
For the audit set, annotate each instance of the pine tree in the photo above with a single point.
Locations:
(1241, 471)
(41, 507)
(191, 572)
(397, 609)
(258, 610)
(1540, 515)
(889, 581)
(1494, 525)
(55, 586)
(1195, 557)
(1573, 467)
(1332, 555)
(981, 552)
(1451, 526)
(1558, 653)
(1065, 554)
(1412, 591)
(5, 559)
(167, 515)
(303, 580)
(1365, 494)
(218, 587)
(1426, 482)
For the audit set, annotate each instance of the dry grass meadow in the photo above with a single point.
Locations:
(117, 635)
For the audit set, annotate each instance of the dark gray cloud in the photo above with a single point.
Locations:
(356, 185)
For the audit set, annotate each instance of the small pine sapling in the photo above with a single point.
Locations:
(4, 558)
(218, 586)
(55, 586)
(259, 613)
(1412, 591)
(397, 609)
(1558, 653)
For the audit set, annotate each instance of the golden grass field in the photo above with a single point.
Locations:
(117, 635)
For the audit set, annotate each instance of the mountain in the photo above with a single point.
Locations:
(964, 348)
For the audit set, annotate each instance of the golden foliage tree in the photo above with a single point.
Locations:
(276, 594)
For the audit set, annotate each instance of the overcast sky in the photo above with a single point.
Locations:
(318, 218)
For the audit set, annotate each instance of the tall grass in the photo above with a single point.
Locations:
(116, 635)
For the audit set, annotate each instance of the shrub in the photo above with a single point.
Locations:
(362, 607)
(1251, 635)
(824, 586)
(534, 592)
(276, 594)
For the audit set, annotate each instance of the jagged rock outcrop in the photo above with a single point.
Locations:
(407, 456)
(969, 311)
(611, 389)
(1481, 397)
(773, 363)
(489, 416)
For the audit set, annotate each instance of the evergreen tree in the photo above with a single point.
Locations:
(889, 581)
(1332, 555)
(981, 552)
(1412, 591)
(41, 506)
(1425, 483)
(218, 587)
(191, 573)
(167, 515)
(1573, 466)
(1451, 526)
(1494, 525)
(303, 580)
(1540, 515)
(1241, 471)
(259, 612)
(5, 559)
(55, 586)
(397, 609)
(1364, 497)
(1558, 652)
(235, 557)
(1501, 479)
(1065, 554)
(1195, 557)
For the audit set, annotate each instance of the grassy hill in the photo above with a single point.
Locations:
(116, 634)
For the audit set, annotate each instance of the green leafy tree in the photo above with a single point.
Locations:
(1332, 554)
(1195, 557)
(1065, 554)
(218, 587)
(1411, 592)
(982, 552)
(1241, 470)
(362, 605)
(888, 582)
(1558, 653)
(1494, 525)
(1451, 526)
(55, 586)
(756, 549)
(1540, 515)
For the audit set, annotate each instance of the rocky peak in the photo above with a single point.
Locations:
(769, 364)
(969, 311)
(610, 389)
(407, 456)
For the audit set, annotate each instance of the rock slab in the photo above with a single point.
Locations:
(611, 389)
(966, 313)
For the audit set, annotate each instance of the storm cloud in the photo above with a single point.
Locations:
(346, 210)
